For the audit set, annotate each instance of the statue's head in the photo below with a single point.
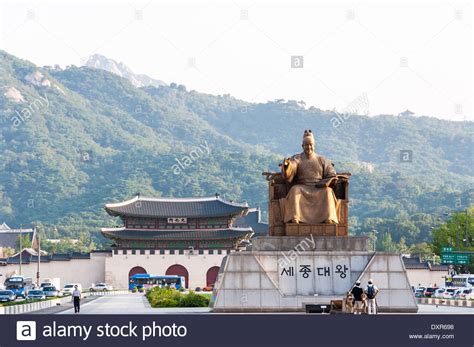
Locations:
(308, 142)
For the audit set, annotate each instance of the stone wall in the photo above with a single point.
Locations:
(118, 266)
(426, 277)
(279, 281)
(83, 271)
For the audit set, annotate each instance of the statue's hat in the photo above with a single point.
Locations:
(308, 136)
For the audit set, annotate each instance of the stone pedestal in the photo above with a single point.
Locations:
(282, 274)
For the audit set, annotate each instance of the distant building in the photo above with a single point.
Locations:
(406, 113)
(253, 219)
(9, 237)
(177, 224)
(424, 273)
(188, 237)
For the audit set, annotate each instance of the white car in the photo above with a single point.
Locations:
(464, 294)
(100, 287)
(438, 294)
(449, 293)
(69, 288)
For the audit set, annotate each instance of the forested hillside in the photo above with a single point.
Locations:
(73, 139)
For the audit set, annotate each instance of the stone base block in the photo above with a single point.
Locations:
(285, 281)
(311, 243)
(293, 229)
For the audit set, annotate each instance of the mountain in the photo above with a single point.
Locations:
(72, 140)
(98, 61)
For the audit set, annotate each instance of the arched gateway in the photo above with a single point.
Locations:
(178, 270)
(211, 275)
(136, 270)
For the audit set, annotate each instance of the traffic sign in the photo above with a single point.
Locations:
(446, 249)
(455, 258)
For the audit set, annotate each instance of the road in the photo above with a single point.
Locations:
(128, 304)
(138, 304)
(432, 309)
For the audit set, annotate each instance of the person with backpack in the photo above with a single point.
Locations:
(371, 291)
(358, 304)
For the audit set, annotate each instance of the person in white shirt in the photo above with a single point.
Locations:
(76, 297)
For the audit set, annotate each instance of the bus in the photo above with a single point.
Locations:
(146, 281)
(463, 281)
(20, 285)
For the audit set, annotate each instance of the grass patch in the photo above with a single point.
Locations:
(23, 302)
(168, 297)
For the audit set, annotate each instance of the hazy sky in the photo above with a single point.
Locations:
(393, 55)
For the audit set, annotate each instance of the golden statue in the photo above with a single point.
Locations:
(310, 199)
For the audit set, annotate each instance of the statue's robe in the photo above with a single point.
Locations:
(305, 202)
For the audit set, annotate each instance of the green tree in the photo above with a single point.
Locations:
(24, 240)
(386, 243)
(457, 232)
(422, 250)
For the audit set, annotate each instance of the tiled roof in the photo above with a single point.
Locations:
(4, 226)
(204, 234)
(439, 267)
(176, 207)
(416, 263)
(9, 238)
(252, 220)
(46, 258)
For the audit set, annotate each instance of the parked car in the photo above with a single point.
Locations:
(100, 287)
(419, 292)
(50, 291)
(7, 295)
(36, 294)
(429, 291)
(46, 284)
(438, 294)
(470, 295)
(449, 293)
(462, 293)
(69, 288)
(208, 289)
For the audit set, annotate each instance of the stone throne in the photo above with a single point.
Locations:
(278, 188)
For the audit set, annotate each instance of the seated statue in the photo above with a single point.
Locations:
(310, 199)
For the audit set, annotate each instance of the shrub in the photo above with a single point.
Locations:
(193, 300)
(167, 302)
(134, 290)
(167, 297)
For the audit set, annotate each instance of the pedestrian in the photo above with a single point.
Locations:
(371, 291)
(357, 292)
(76, 297)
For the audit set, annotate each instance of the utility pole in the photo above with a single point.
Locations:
(21, 245)
(39, 258)
(466, 239)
